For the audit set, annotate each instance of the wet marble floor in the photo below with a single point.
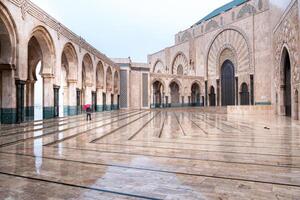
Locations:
(158, 154)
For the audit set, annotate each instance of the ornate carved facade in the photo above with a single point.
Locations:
(233, 49)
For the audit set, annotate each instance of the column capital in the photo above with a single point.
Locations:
(4, 67)
(72, 81)
(56, 86)
(46, 75)
(20, 82)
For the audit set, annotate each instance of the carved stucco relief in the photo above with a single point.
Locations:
(235, 41)
(286, 35)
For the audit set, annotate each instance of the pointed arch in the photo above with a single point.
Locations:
(116, 82)
(70, 60)
(87, 69)
(159, 67)
(175, 80)
(158, 90)
(175, 93)
(100, 75)
(9, 39)
(109, 79)
(41, 48)
(234, 39)
(160, 81)
(286, 81)
(180, 61)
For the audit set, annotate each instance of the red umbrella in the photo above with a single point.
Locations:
(86, 106)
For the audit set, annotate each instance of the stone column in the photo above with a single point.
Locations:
(115, 102)
(88, 93)
(56, 89)
(20, 100)
(72, 105)
(100, 107)
(8, 97)
(281, 110)
(108, 100)
(29, 103)
(48, 100)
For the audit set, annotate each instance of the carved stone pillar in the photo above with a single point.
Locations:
(72, 105)
(20, 100)
(8, 112)
(108, 100)
(100, 106)
(88, 94)
(48, 104)
(29, 103)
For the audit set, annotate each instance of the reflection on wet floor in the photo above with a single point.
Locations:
(158, 154)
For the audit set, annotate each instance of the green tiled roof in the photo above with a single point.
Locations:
(222, 9)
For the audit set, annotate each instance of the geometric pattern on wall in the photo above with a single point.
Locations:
(182, 62)
(123, 89)
(237, 43)
(145, 90)
(159, 67)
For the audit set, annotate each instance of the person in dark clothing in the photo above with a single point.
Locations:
(89, 114)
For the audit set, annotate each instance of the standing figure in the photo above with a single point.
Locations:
(88, 114)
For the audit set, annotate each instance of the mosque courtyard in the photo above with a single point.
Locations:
(152, 154)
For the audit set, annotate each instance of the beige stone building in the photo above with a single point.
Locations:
(244, 55)
(73, 73)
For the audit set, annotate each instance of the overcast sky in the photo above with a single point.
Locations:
(122, 28)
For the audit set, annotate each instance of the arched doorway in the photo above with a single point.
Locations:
(100, 86)
(175, 95)
(195, 94)
(116, 90)
(109, 88)
(87, 79)
(212, 96)
(9, 70)
(157, 94)
(227, 83)
(68, 83)
(287, 83)
(40, 89)
(244, 94)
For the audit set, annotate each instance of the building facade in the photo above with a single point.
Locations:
(243, 53)
(35, 47)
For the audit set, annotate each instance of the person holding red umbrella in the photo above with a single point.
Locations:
(88, 110)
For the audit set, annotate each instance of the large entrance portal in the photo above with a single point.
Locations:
(244, 94)
(175, 96)
(287, 84)
(227, 82)
(212, 96)
(195, 94)
(157, 94)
